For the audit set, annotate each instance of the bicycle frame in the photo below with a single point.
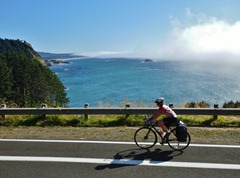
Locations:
(156, 130)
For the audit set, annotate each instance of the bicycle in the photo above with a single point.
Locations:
(146, 137)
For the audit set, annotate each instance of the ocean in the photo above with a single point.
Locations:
(113, 82)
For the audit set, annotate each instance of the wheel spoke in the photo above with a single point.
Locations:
(145, 137)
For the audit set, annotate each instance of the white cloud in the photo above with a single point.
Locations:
(201, 37)
(198, 36)
(212, 37)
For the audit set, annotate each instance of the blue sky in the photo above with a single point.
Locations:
(135, 28)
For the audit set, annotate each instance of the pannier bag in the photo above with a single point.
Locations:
(181, 133)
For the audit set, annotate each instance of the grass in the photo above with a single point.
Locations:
(211, 121)
(209, 135)
(112, 120)
(203, 129)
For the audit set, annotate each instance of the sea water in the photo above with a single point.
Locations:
(114, 81)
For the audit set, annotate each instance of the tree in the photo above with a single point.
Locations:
(5, 79)
(25, 79)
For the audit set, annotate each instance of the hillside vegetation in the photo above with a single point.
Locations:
(25, 79)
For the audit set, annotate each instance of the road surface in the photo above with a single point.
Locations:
(69, 158)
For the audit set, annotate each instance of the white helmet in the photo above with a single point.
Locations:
(159, 100)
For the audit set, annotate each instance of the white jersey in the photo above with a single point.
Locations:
(167, 110)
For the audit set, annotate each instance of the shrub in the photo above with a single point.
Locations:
(201, 104)
(190, 105)
(232, 104)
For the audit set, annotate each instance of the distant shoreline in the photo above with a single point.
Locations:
(55, 58)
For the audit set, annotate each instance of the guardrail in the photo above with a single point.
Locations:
(127, 111)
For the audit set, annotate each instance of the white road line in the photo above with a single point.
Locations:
(110, 142)
(122, 162)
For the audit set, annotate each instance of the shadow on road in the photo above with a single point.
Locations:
(135, 157)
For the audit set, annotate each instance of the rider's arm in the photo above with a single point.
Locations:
(156, 115)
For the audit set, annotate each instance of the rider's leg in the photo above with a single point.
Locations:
(165, 129)
(160, 130)
(162, 125)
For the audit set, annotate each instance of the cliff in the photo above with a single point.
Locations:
(17, 46)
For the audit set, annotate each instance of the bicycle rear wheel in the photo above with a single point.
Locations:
(145, 138)
(175, 144)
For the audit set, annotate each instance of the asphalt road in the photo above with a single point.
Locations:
(30, 158)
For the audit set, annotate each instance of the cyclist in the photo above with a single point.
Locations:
(166, 122)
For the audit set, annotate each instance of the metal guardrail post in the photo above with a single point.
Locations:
(44, 106)
(85, 115)
(3, 115)
(127, 106)
(215, 117)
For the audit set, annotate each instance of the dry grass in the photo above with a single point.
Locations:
(198, 134)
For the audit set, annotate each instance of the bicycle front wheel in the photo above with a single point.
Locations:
(145, 137)
(177, 145)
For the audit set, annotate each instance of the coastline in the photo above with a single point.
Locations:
(51, 62)
(55, 58)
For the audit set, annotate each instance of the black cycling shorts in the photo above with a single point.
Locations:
(168, 121)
